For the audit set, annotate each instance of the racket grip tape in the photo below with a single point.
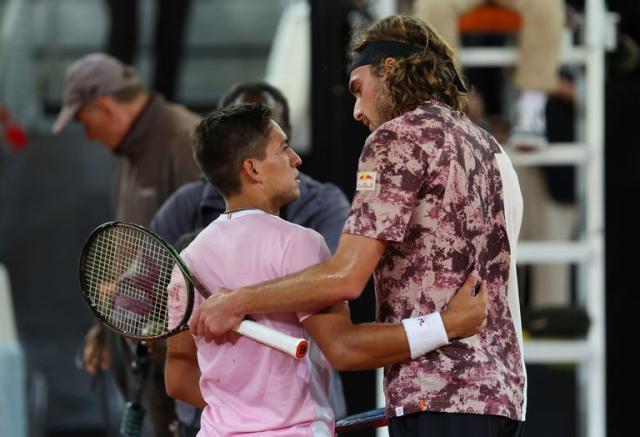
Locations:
(296, 347)
(132, 420)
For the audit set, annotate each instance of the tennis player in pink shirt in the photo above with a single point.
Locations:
(247, 388)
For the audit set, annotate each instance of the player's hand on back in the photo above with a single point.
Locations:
(216, 316)
(466, 312)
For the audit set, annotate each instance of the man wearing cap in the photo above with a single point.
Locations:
(152, 141)
(150, 136)
(436, 198)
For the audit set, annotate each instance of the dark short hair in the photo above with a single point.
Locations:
(228, 136)
(255, 88)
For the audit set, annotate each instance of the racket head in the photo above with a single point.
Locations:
(125, 271)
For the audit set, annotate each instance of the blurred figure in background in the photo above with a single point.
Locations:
(540, 85)
(170, 24)
(550, 204)
(152, 141)
(537, 71)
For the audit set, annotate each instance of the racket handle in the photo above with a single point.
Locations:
(132, 420)
(296, 347)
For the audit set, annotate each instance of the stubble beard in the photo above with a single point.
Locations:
(384, 107)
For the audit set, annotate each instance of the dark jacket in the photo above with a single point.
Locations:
(154, 160)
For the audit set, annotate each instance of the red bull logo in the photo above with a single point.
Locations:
(366, 181)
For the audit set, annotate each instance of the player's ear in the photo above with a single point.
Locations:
(251, 169)
(389, 64)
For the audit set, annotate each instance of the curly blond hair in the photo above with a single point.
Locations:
(431, 73)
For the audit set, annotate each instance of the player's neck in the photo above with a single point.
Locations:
(241, 203)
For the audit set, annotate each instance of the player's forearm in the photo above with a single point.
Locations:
(193, 398)
(355, 347)
(182, 382)
(368, 346)
(309, 290)
(341, 277)
(365, 346)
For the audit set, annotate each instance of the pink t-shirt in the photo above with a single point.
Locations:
(252, 389)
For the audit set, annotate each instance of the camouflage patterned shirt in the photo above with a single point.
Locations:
(429, 184)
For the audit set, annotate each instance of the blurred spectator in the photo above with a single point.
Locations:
(152, 140)
(290, 56)
(550, 209)
(536, 75)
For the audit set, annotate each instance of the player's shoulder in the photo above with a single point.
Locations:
(292, 230)
(283, 225)
(406, 128)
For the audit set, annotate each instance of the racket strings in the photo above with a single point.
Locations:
(126, 274)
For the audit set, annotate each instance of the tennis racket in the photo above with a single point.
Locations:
(368, 419)
(125, 273)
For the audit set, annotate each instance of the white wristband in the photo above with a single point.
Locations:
(425, 334)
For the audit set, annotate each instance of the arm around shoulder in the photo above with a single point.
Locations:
(341, 277)
(350, 346)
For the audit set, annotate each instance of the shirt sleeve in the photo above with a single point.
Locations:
(304, 249)
(178, 298)
(391, 172)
